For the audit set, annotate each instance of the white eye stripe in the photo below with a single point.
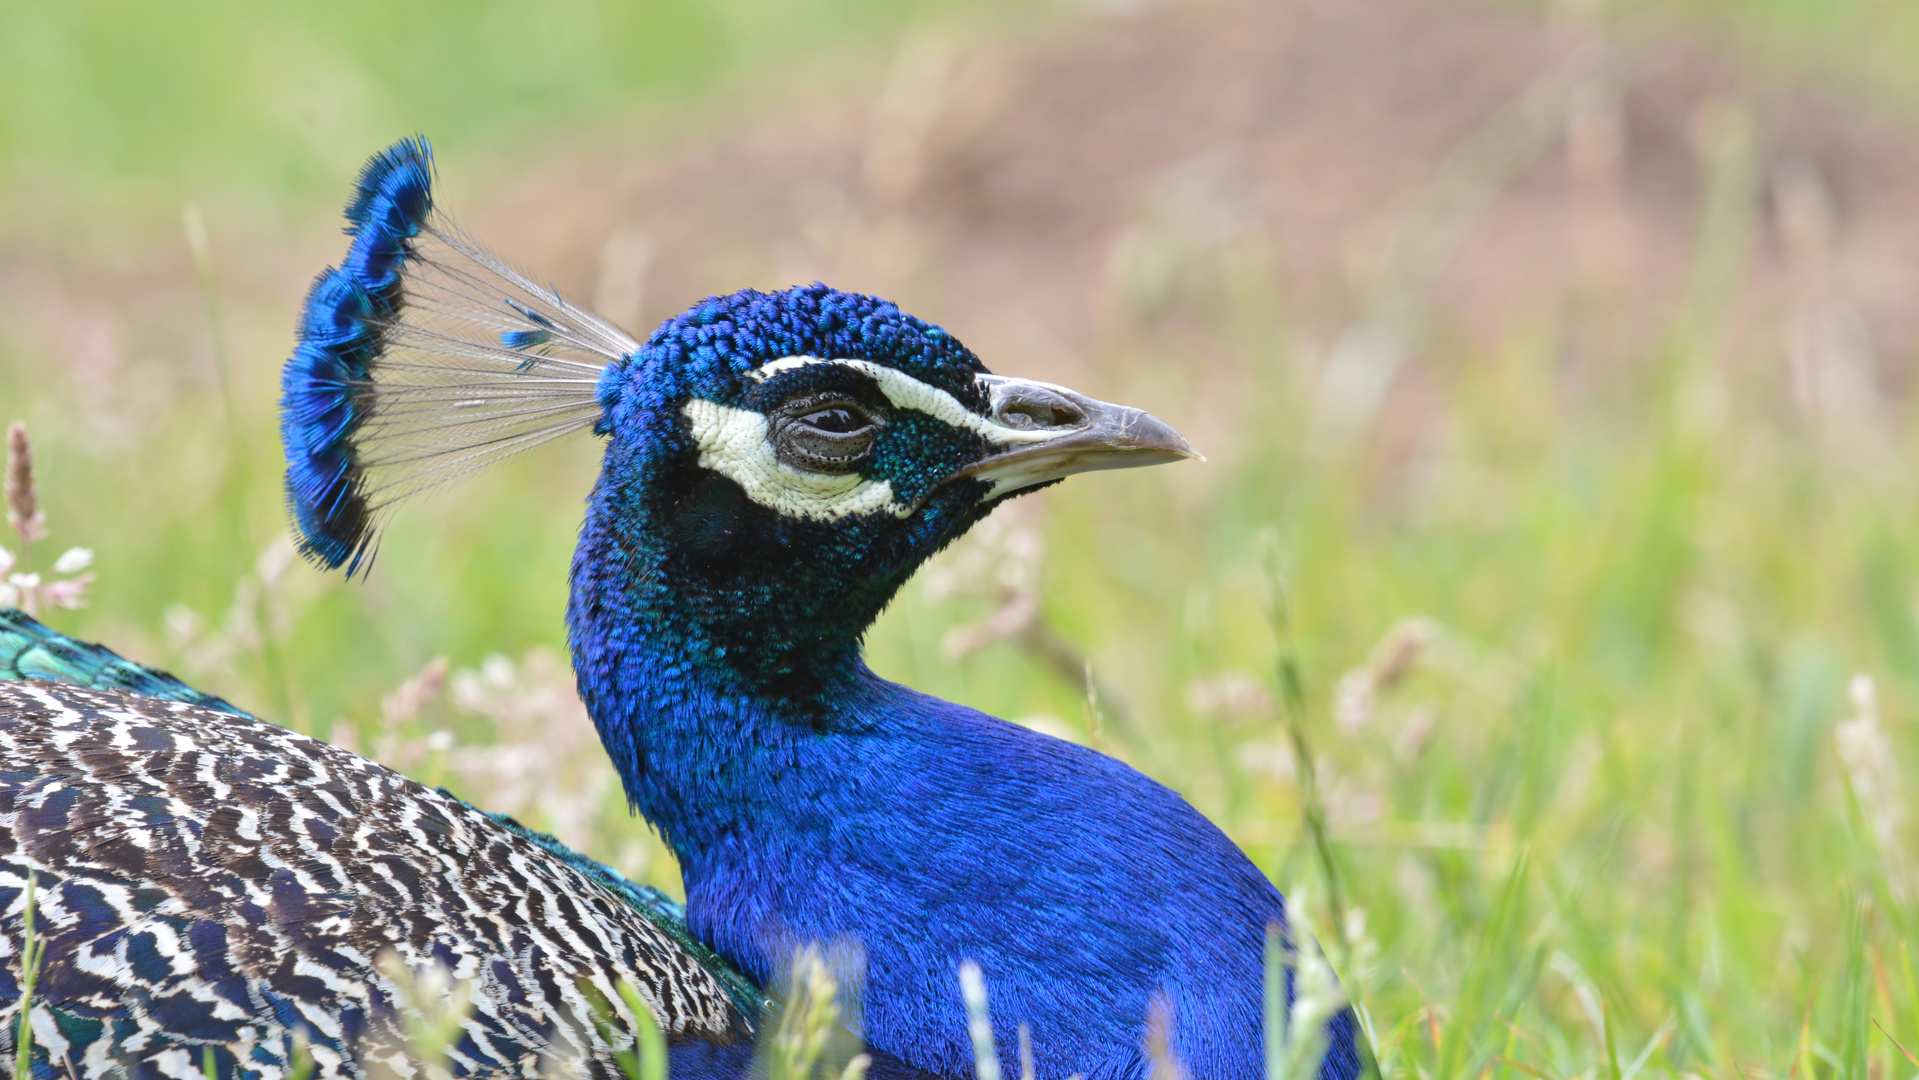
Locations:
(733, 443)
(783, 364)
(906, 392)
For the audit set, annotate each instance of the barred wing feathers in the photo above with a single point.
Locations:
(208, 880)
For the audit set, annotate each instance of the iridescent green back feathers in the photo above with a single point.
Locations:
(30, 650)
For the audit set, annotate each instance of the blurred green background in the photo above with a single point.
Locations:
(1552, 360)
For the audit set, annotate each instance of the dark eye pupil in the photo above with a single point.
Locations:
(825, 434)
(835, 421)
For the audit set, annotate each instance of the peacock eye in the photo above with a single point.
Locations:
(834, 421)
(824, 433)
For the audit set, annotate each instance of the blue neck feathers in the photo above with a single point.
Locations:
(710, 663)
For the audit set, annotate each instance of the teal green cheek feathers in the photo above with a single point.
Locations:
(776, 465)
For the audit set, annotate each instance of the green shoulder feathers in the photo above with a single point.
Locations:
(29, 650)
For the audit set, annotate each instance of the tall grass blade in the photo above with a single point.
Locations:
(30, 949)
(647, 1061)
(1275, 1033)
(979, 1024)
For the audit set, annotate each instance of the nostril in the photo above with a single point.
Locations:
(1031, 415)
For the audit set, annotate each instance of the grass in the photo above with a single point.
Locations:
(1863, 44)
(31, 950)
(1557, 744)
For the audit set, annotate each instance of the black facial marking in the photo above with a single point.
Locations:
(717, 525)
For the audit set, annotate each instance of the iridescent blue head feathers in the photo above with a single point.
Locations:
(419, 358)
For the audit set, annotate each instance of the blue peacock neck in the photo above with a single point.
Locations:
(724, 695)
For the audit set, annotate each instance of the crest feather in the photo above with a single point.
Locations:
(421, 358)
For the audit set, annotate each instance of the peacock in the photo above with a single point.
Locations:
(777, 465)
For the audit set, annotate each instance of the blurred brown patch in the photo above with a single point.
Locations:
(1389, 165)
(1497, 164)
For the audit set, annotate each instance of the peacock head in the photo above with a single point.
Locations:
(787, 459)
(777, 464)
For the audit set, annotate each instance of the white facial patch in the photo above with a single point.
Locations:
(906, 392)
(733, 443)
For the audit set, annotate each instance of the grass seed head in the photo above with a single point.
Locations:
(23, 505)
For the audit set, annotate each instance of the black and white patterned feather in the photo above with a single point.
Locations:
(207, 880)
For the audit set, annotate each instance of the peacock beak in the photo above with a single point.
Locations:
(1051, 432)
